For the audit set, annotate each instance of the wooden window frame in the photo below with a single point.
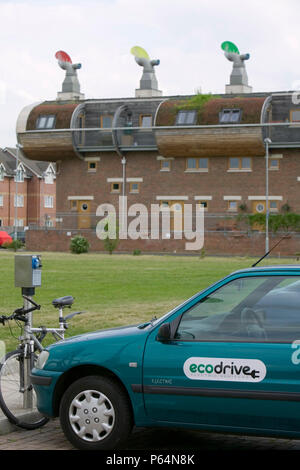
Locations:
(230, 202)
(273, 209)
(73, 205)
(272, 168)
(240, 167)
(115, 191)
(168, 168)
(92, 170)
(197, 169)
(200, 203)
(134, 191)
(141, 116)
(291, 114)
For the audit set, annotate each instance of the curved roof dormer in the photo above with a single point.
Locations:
(225, 126)
(44, 130)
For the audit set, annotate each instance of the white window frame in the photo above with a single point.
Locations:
(48, 201)
(1, 200)
(18, 222)
(18, 200)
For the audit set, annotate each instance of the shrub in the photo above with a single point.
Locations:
(14, 245)
(79, 245)
(136, 252)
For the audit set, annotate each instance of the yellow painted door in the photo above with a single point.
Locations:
(84, 216)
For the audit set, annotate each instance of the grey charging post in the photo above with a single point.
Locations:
(28, 276)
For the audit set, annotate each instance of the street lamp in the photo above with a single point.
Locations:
(267, 143)
(19, 146)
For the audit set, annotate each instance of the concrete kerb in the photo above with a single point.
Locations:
(5, 426)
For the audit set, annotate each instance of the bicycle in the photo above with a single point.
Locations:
(17, 396)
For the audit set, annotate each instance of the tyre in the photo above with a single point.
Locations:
(19, 407)
(95, 414)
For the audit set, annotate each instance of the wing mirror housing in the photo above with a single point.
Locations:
(164, 332)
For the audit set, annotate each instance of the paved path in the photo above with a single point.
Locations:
(50, 437)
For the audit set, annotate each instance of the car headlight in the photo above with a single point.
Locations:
(42, 359)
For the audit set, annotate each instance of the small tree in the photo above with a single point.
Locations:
(110, 244)
(79, 245)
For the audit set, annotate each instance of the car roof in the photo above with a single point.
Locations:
(278, 267)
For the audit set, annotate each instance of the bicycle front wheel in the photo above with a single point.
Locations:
(18, 405)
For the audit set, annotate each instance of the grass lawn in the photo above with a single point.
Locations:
(112, 289)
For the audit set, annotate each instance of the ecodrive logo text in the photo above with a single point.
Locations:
(226, 369)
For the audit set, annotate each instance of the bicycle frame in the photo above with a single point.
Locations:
(29, 339)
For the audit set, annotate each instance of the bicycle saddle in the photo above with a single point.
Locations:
(63, 301)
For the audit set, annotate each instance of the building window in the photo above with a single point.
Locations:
(165, 165)
(73, 205)
(197, 164)
(49, 177)
(18, 222)
(230, 116)
(19, 176)
(18, 200)
(2, 172)
(274, 164)
(81, 125)
(145, 120)
(295, 115)
(185, 118)
(48, 201)
(115, 187)
(92, 167)
(273, 205)
(232, 206)
(203, 204)
(46, 121)
(48, 222)
(1, 200)
(134, 188)
(106, 121)
(240, 163)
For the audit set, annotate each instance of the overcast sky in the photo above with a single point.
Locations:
(184, 34)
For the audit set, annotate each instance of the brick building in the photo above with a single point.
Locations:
(153, 149)
(27, 191)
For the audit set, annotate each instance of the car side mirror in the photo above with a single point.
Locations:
(164, 332)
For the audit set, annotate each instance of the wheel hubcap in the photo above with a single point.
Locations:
(91, 415)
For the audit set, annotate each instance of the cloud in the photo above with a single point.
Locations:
(184, 35)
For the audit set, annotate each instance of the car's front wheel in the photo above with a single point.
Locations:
(95, 413)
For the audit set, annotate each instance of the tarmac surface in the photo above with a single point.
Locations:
(50, 437)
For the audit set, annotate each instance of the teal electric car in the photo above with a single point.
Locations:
(227, 359)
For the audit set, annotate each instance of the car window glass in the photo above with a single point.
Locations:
(264, 308)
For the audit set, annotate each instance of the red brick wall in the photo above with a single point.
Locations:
(74, 179)
(223, 243)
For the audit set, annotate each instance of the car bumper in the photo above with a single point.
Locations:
(44, 383)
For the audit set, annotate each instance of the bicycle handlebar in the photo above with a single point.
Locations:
(19, 313)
